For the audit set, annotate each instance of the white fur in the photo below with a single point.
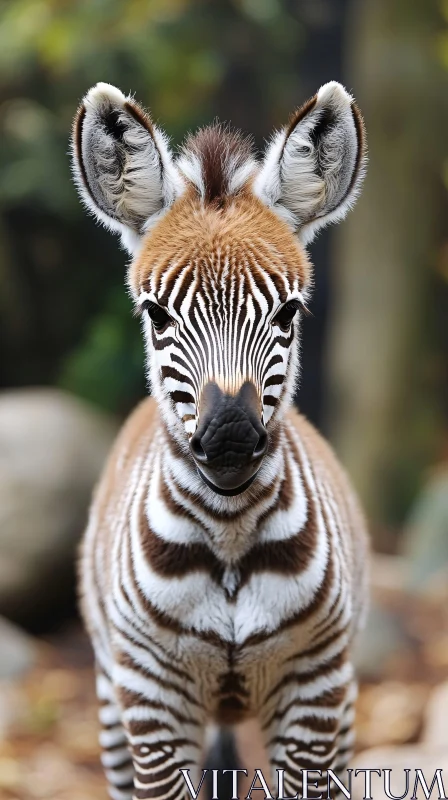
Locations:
(190, 166)
(237, 175)
(289, 180)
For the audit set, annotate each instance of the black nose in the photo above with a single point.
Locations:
(230, 440)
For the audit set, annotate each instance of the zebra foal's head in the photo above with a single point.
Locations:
(219, 271)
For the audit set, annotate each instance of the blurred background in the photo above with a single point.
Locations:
(374, 355)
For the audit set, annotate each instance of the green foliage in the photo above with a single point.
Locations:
(188, 61)
(108, 366)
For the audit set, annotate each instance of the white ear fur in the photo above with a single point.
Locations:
(122, 164)
(313, 169)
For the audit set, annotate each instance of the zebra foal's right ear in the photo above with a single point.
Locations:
(122, 164)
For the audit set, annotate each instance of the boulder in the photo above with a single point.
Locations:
(52, 448)
(406, 630)
(425, 540)
(19, 652)
(383, 635)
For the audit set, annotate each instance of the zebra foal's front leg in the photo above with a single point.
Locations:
(115, 755)
(164, 724)
(309, 726)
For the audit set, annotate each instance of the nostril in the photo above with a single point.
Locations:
(197, 449)
(261, 446)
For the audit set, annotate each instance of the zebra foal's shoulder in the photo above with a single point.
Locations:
(336, 494)
(131, 446)
(328, 472)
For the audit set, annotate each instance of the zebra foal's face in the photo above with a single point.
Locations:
(220, 272)
(220, 316)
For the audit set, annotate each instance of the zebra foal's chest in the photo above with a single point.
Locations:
(228, 611)
(229, 643)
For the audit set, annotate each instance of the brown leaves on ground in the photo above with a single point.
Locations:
(49, 742)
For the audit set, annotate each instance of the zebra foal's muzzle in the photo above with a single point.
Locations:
(230, 440)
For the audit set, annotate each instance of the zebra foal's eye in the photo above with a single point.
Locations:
(285, 316)
(159, 318)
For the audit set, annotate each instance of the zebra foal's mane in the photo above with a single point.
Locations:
(218, 161)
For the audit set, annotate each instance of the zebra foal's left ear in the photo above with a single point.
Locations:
(122, 164)
(313, 169)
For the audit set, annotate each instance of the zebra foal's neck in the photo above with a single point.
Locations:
(179, 508)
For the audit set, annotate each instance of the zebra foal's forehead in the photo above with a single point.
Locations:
(218, 230)
(197, 247)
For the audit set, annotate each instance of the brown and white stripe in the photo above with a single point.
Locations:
(203, 608)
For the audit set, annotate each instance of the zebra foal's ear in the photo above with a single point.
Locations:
(313, 169)
(121, 163)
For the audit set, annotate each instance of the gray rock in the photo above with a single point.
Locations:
(52, 448)
(18, 651)
(425, 542)
(381, 638)
(383, 635)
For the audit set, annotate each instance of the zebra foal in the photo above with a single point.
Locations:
(222, 573)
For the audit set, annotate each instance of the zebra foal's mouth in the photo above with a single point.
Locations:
(228, 492)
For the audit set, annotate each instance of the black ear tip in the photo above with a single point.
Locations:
(113, 124)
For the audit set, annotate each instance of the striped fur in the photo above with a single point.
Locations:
(205, 608)
(222, 281)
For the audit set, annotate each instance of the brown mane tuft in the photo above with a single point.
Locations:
(220, 152)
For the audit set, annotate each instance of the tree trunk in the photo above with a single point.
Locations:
(378, 405)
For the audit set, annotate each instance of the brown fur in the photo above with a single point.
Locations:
(220, 151)
(298, 115)
(193, 231)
